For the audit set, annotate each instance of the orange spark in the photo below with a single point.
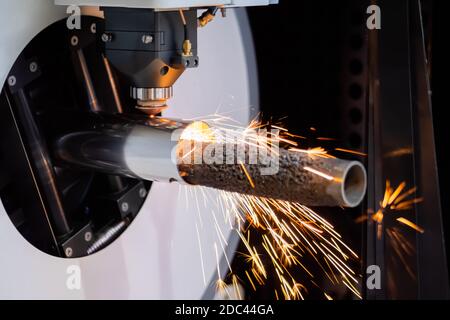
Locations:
(352, 152)
(249, 178)
(319, 173)
(410, 224)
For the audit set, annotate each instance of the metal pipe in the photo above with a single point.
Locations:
(133, 147)
(295, 177)
(153, 150)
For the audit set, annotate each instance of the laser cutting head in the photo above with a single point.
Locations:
(151, 42)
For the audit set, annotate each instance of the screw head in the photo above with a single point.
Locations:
(142, 193)
(94, 28)
(74, 41)
(147, 39)
(88, 236)
(68, 252)
(124, 207)
(106, 37)
(12, 81)
(33, 67)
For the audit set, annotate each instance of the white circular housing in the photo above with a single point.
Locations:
(158, 256)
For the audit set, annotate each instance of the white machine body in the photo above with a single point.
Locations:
(169, 250)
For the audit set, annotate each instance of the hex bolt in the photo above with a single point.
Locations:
(69, 252)
(147, 39)
(124, 207)
(74, 41)
(106, 37)
(142, 193)
(94, 28)
(33, 67)
(88, 236)
(12, 81)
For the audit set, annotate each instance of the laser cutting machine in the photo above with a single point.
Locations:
(81, 78)
(123, 57)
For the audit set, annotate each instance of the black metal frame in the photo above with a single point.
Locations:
(400, 117)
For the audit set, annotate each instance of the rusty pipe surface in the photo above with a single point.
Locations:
(297, 177)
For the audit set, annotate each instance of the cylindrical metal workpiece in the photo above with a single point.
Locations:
(155, 149)
(292, 176)
(143, 148)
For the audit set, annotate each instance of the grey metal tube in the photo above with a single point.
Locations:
(136, 148)
(153, 151)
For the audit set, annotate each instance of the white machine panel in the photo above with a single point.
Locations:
(158, 256)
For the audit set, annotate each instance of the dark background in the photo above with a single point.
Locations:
(311, 59)
(440, 88)
(309, 78)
